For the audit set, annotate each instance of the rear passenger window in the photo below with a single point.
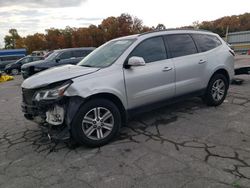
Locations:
(206, 42)
(181, 45)
(78, 53)
(151, 50)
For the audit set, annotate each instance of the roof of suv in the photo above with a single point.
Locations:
(167, 31)
(70, 49)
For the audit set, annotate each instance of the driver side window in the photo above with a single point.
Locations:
(150, 50)
(26, 60)
(65, 55)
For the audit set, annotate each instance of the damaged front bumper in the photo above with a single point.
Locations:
(55, 115)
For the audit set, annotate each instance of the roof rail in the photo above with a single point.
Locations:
(180, 29)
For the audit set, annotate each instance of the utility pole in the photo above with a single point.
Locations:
(227, 33)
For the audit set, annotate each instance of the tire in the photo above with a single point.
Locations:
(96, 123)
(216, 90)
(14, 71)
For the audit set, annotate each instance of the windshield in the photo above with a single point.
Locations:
(106, 54)
(52, 56)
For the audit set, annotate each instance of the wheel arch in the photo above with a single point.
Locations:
(115, 100)
(223, 72)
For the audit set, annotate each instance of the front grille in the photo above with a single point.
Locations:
(28, 95)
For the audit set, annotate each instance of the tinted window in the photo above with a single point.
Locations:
(65, 55)
(10, 58)
(78, 53)
(151, 50)
(26, 60)
(206, 42)
(87, 52)
(181, 45)
(37, 58)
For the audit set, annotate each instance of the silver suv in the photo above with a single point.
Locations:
(90, 101)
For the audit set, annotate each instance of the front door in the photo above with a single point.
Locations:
(154, 81)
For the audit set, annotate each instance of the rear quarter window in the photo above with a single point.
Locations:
(206, 42)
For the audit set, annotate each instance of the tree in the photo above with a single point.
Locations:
(52, 38)
(35, 42)
(160, 27)
(110, 27)
(10, 40)
(196, 24)
(125, 24)
(137, 26)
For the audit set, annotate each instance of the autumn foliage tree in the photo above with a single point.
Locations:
(110, 28)
(12, 39)
(234, 23)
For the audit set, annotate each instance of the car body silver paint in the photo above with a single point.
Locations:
(134, 87)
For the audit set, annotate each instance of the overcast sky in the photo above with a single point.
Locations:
(30, 16)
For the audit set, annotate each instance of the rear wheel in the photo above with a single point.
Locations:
(216, 91)
(97, 122)
(14, 71)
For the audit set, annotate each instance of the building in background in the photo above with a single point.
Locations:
(240, 41)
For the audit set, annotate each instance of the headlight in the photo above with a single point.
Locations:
(37, 69)
(53, 93)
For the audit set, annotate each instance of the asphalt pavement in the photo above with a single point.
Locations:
(182, 145)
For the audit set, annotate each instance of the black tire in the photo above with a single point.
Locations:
(208, 97)
(77, 126)
(14, 71)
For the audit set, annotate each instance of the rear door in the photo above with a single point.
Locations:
(154, 81)
(189, 64)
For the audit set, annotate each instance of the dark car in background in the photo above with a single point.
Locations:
(57, 58)
(10, 55)
(15, 68)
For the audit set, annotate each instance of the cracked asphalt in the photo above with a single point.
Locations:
(182, 145)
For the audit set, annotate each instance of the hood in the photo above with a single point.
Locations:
(33, 64)
(56, 74)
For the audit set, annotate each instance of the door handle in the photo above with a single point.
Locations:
(202, 61)
(165, 69)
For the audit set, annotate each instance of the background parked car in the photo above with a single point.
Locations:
(10, 56)
(15, 68)
(58, 57)
(38, 53)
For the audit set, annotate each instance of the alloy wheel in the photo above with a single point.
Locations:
(218, 89)
(98, 123)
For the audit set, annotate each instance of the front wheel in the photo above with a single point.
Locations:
(216, 91)
(97, 122)
(14, 71)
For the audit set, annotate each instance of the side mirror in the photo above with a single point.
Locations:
(136, 61)
(58, 59)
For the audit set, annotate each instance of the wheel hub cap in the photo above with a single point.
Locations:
(218, 90)
(98, 123)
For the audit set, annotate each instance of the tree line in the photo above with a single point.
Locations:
(231, 23)
(111, 27)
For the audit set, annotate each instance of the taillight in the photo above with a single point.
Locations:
(232, 52)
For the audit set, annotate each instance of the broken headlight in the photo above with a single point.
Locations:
(53, 93)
